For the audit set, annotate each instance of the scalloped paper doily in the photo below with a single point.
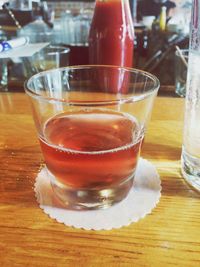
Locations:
(142, 198)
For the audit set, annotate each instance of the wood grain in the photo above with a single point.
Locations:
(167, 237)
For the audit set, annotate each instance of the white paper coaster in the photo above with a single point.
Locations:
(142, 198)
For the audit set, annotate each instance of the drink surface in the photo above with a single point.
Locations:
(91, 148)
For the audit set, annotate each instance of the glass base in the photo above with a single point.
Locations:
(88, 199)
(191, 169)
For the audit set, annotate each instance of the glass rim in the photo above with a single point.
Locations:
(123, 98)
(60, 49)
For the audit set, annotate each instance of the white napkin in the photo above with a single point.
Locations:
(23, 51)
(142, 198)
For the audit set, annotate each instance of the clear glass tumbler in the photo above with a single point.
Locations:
(4, 74)
(91, 129)
(50, 57)
(191, 139)
(181, 68)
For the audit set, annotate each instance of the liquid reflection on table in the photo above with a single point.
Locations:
(28, 237)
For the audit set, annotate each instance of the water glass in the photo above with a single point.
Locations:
(3, 74)
(49, 57)
(191, 140)
(181, 67)
(75, 28)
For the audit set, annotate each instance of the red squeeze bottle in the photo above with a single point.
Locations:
(111, 38)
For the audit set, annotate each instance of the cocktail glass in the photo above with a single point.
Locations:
(91, 133)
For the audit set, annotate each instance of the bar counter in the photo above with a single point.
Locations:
(169, 236)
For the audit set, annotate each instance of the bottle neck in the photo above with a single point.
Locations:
(117, 10)
(106, 1)
(123, 3)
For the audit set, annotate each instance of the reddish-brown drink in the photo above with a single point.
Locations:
(91, 148)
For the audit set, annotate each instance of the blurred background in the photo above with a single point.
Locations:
(160, 26)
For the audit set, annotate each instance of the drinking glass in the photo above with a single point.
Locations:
(181, 71)
(76, 27)
(191, 139)
(4, 74)
(49, 57)
(3, 67)
(90, 132)
(20, 5)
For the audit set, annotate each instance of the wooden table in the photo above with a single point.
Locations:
(170, 236)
